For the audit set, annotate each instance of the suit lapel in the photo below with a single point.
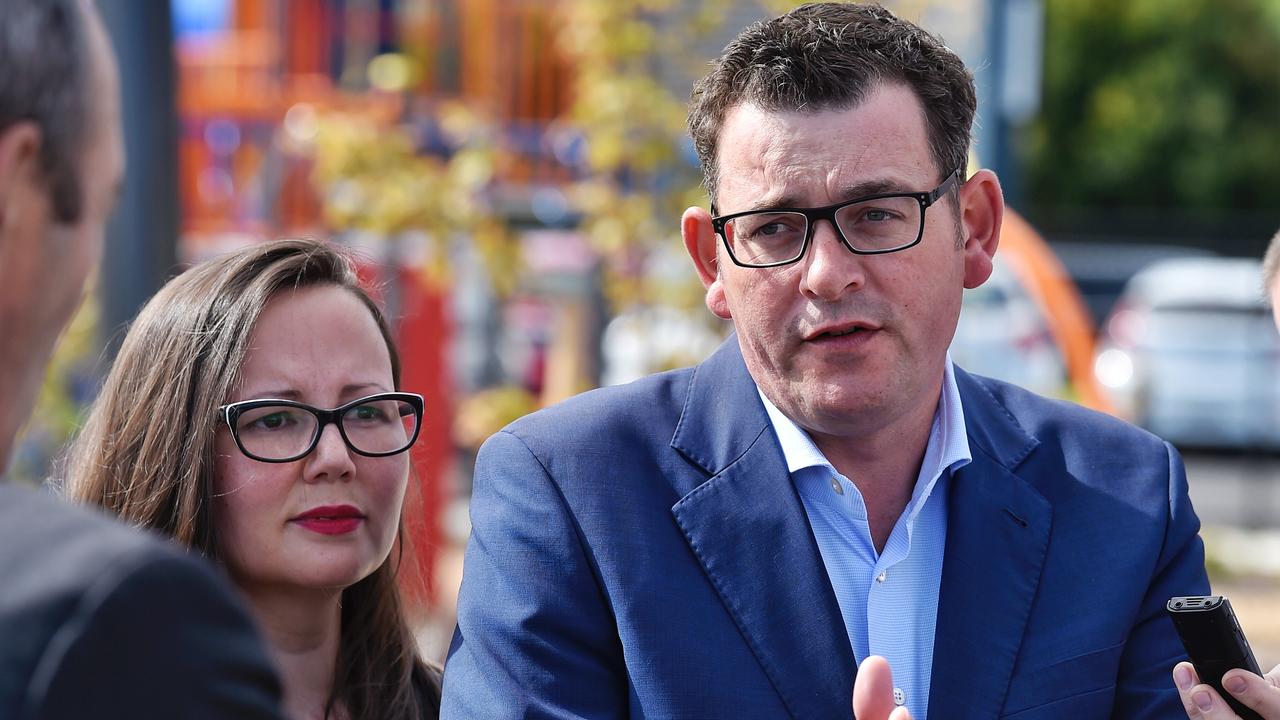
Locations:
(747, 527)
(997, 535)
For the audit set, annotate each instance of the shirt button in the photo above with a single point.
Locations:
(835, 485)
(884, 575)
(899, 697)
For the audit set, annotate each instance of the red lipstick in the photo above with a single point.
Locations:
(331, 519)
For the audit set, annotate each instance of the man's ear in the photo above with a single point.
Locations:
(19, 162)
(700, 242)
(981, 210)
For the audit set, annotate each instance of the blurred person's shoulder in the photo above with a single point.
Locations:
(88, 603)
(53, 557)
(52, 548)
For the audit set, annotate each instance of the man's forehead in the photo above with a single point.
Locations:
(875, 146)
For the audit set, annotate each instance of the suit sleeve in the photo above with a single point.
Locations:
(535, 635)
(163, 637)
(1145, 686)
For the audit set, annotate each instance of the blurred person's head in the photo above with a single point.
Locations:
(287, 504)
(834, 141)
(61, 164)
(1271, 276)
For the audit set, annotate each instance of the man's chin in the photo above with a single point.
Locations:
(835, 411)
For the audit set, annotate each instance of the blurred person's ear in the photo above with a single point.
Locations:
(20, 171)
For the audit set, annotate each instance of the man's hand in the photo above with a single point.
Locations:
(873, 692)
(1261, 694)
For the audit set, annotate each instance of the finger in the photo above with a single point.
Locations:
(1210, 704)
(1254, 692)
(873, 690)
(1273, 677)
(1185, 678)
(900, 713)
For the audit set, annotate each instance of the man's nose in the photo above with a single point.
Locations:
(830, 269)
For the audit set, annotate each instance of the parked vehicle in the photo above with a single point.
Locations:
(1003, 334)
(1028, 323)
(1190, 353)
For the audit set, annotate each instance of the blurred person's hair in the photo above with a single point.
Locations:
(1271, 266)
(44, 80)
(829, 56)
(146, 452)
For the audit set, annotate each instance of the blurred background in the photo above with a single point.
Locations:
(513, 172)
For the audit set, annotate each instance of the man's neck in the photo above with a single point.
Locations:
(22, 366)
(884, 465)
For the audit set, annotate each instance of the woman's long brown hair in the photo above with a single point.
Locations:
(146, 450)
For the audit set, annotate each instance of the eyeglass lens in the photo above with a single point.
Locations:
(874, 226)
(276, 432)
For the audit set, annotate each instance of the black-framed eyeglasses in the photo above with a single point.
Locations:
(278, 431)
(872, 225)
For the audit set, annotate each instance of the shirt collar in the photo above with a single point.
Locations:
(948, 447)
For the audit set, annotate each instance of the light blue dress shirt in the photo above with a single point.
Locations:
(889, 600)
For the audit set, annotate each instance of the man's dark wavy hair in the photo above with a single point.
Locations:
(828, 56)
(43, 79)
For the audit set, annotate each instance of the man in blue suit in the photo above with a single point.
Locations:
(730, 540)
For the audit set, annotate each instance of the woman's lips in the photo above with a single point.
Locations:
(331, 519)
(331, 526)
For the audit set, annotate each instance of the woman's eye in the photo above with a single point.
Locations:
(272, 421)
(368, 412)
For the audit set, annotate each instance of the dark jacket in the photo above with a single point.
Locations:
(100, 621)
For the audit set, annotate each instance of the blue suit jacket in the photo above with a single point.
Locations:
(640, 551)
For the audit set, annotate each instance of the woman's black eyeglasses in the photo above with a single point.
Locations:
(278, 431)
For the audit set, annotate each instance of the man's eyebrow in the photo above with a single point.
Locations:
(872, 187)
(857, 190)
(770, 202)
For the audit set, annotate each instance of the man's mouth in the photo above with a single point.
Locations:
(841, 331)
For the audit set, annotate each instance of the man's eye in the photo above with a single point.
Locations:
(879, 215)
(771, 227)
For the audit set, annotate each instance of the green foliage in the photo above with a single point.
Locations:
(1158, 103)
(639, 179)
(58, 410)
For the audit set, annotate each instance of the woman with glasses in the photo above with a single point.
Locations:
(254, 413)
